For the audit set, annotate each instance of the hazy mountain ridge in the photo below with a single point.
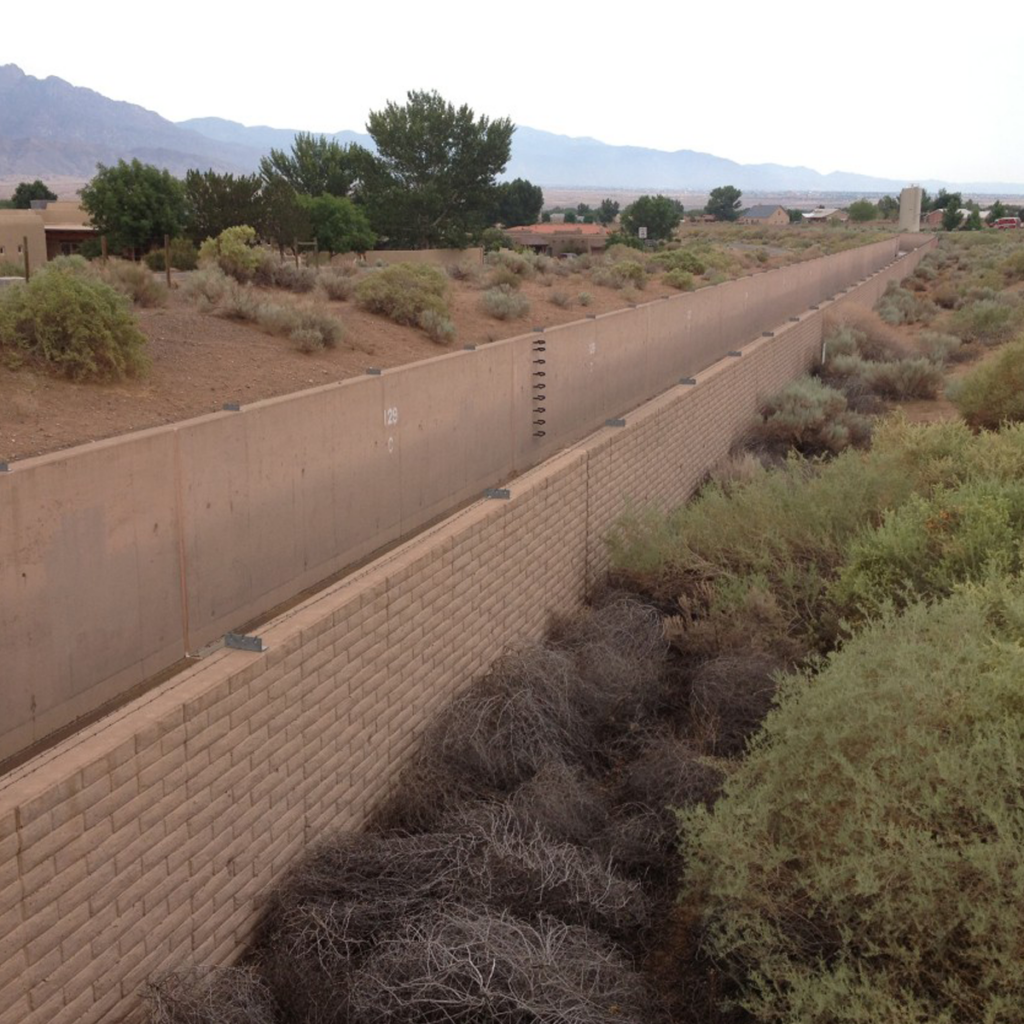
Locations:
(49, 127)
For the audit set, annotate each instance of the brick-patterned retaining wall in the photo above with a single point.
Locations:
(145, 841)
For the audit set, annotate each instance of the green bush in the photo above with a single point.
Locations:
(338, 287)
(989, 321)
(620, 274)
(73, 323)
(993, 393)
(866, 862)
(900, 306)
(563, 300)
(404, 291)
(504, 304)
(585, 298)
(1013, 265)
(206, 287)
(8, 268)
(233, 250)
(276, 273)
(681, 259)
(904, 378)
(681, 279)
(942, 348)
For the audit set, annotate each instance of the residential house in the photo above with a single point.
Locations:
(764, 215)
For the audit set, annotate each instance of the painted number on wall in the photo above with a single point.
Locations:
(391, 416)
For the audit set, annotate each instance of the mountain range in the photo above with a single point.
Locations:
(49, 127)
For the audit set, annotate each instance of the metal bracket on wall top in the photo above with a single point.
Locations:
(498, 492)
(688, 380)
(794, 319)
(469, 348)
(767, 334)
(4, 468)
(241, 642)
(232, 407)
(373, 371)
(617, 422)
(735, 353)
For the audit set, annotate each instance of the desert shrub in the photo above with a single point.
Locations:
(184, 256)
(931, 543)
(904, 378)
(503, 303)
(989, 321)
(1013, 265)
(71, 322)
(585, 298)
(875, 340)
(865, 862)
(8, 268)
(227, 995)
(438, 327)
(503, 277)
(206, 287)
(681, 279)
(563, 300)
(403, 291)
(233, 250)
(136, 281)
(314, 322)
(620, 274)
(900, 306)
(275, 318)
(941, 348)
(240, 302)
(338, 287)
(748, 564)
(993, 393)
(520, 264)
(810, 418)
(464, 271)
(275, 273)
(681, 260)
(946, 296)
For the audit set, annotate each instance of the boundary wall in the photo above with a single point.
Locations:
(120, 558)
(144, 842)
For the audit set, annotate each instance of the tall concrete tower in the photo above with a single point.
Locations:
(910, 209)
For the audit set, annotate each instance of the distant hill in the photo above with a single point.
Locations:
(49, 127)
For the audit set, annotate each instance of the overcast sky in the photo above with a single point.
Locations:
(891, 89)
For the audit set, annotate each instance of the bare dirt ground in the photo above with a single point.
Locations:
(200, 362)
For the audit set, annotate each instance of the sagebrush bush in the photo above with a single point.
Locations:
(585, 298)
(136, 281)
(681, 260)
(904, 378)
(561, 299)
(941, 348)
(993, 393)
(337, 287)
(809, 417)
(989, 321)
(504, 304)
(276, 273)
(206, 287)
(234, 251)
(519, 264)
(900, 306)
(437, 327)
(620, 273)
(872, 339)
(71, 322)
(503, 277)
(403, 291)
(866, 862)
(8, 268)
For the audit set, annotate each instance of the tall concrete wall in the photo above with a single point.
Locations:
(119, 558)
(145, 842)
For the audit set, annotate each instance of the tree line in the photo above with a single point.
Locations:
(431, 181)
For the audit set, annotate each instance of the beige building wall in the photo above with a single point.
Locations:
(15, 226)
(146, 841)
(123, 556)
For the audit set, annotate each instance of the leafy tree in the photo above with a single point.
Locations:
(29, 190)
(583, 209)
(432, 179)
(518, 202)
(951, 216)
(973, 222)
(316, 165)
(569, 217)
(795, 216)
(659, 214)
(862, 210)
(545, 217)
(607, 211)
(284, 220)
(997, 210)
(944, 198)
(889, 208)
(214, 202)
(134, 204)
(337, 224)
(724, 202)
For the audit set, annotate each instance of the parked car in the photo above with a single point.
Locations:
(1007, 222)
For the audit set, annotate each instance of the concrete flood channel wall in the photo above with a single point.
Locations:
(144, 841)
(122, 557)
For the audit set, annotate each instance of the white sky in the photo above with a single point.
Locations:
(891, 88)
